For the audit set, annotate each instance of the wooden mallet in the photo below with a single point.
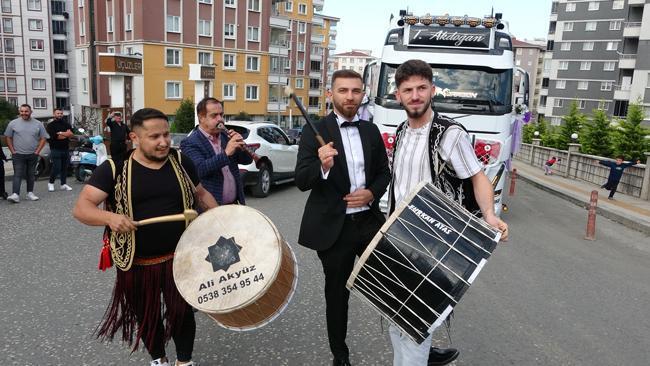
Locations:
(288, 91)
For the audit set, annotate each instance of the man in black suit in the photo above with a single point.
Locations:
(347, 177)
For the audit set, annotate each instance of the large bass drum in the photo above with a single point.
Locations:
(233, 264)
(422, 261)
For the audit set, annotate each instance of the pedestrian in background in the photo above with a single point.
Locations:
(60, 132)
(3, 158)
(616, 169)
(549, 164)
(119, 134)
(25, 139)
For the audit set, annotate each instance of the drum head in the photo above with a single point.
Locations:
(227, 258)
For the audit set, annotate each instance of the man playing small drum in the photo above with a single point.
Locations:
(152, 181)
(451, 166)
(346, 177)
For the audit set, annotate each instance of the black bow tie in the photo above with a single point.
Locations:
(350, 124)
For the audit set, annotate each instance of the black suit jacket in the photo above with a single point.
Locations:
(324, 213)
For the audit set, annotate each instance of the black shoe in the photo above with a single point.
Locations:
(5, 195)
(441, 356)
(341, 362)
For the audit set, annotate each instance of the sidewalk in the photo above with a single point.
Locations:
(630, 211)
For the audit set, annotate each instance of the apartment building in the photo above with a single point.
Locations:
(354, 60)
(255, 46)
(530, 57)
(33, 54)
(597, 55)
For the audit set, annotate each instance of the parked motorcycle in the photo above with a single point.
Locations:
(87, 156)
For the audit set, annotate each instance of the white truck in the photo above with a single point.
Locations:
(473, 72)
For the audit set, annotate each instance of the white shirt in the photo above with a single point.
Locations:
(354, 159)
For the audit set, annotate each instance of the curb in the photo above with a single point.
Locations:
(610, 213)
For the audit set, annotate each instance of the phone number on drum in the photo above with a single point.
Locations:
(223, 291)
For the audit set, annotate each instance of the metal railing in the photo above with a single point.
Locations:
(632, 24)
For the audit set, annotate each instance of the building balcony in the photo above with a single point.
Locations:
(318, 4)
(332, 44)
(627, 61)
(553, 17)
(277, 79)
(279, 48)
(622, 92)
(543, 92)
(317, 38)
(316, 74)
(315, 56)
(279, 21)
(276, 106)
(333, 32)
(636, 2)
(632, 29)
(315, 92)
(318, 21)
(313, 110)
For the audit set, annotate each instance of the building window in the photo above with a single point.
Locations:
(302, 9)
(612, 46)
(35, 24)
(591, 26)
(588, 46)
(81, 3)
(229, 3)
(593, 6)
(254, 34)
(36, 44)
(564, 65)
(205, 58)
(205, 28)
(568, 26)
(615, 25)
(2, 85)
(38, 84)
(228, 91)
(10, 64)
(60, 66)
(560, 84)
(252, 63)
(582, 104)
(34, 5)
(254, 5)
(519, 52)
(40, 103)
(110, 49)
(618, 4)
(205, 1)
(9, 45)
(172, 89)
(82, 28)
(128, 22)
(301, 46)
(288, 6)
(583, 85)
(603, 105)
(302, 27)
(84, 85)
(7, 25)
(542, 100)
(12, 86)
(229, 61)
(558, 103)
(252, 92)
(566, 46)
(300, 65)
(609, 66)
(38, 64)
(173, 23)
(606, 85)
(300, 83)
(128, 50)
(585, 65)
(229, 31)
(173, 57)
(109, 24)
(6, 8)
(83, 57)
(570, 7)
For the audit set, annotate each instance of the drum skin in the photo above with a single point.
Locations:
(233, 264)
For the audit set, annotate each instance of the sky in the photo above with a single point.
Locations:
(364, 23)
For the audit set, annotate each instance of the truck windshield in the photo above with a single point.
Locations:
(477, 90)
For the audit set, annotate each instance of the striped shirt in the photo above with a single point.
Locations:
(411, 165)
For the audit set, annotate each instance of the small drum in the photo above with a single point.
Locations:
(422, 261)
(233, 264)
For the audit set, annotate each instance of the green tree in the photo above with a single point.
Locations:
(242, 116)
(572, 124)
(8, 111)
(629, 137)
(184, 120)
(596, 135)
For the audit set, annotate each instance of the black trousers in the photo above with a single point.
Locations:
(338, 261)
(118, 150)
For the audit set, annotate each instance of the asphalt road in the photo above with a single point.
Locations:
(548, 297)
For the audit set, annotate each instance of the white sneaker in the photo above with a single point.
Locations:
(191, 363)
(13, 198)
(31, 196)
(50, 187)
(66, 187)
(158, 362)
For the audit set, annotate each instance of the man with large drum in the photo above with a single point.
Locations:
(346, 177)
(152, 181)
(451, 166)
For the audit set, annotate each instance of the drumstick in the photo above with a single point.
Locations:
(187, 216)
(289, 93)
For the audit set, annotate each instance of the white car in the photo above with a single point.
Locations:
(277, 152)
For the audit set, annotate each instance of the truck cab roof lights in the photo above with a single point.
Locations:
(443, 20)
